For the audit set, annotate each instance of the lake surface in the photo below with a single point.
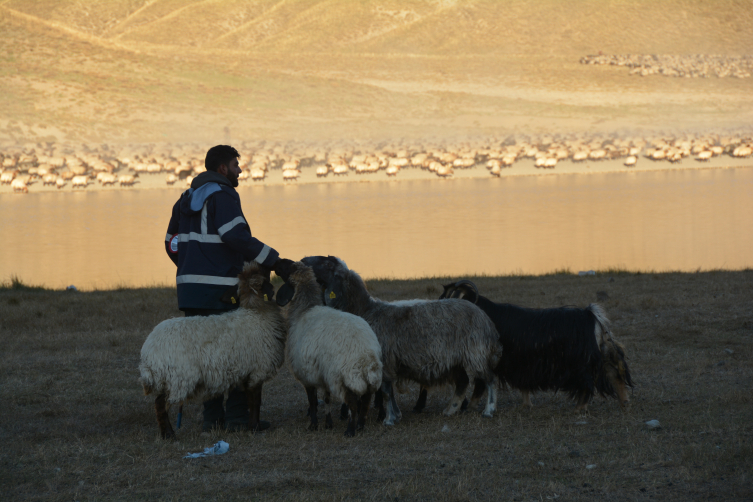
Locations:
(664, 220)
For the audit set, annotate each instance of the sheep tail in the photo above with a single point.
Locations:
(374, 374)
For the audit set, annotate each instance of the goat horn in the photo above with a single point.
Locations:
(466, 281)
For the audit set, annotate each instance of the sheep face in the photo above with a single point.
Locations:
(253, 285)
(299, 279)
(615, 371)
(331, 272)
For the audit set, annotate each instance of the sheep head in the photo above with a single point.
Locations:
(331, 272)
(254, 285)
(300, 284)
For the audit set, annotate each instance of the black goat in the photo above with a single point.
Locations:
(568, 349)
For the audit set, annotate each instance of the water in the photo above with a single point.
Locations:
(664, 220)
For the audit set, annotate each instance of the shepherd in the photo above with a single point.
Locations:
(208, 238)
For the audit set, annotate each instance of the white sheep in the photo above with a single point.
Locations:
(80, 181)
(328, 349)
(202, 357)
(19, 185)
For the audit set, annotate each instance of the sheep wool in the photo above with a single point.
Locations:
(202, 357)
(336, 351)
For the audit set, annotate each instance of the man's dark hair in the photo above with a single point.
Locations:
(218, 155)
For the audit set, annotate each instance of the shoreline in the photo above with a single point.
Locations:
(523, 167)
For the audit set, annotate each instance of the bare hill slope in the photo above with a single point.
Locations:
(177, 69)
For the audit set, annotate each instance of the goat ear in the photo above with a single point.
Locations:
(333, 296)
(285, 294)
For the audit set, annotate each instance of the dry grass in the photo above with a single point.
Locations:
(75, 425)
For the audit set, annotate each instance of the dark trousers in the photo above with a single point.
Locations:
(236, 408)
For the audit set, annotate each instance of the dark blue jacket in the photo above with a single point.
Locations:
(213, 240)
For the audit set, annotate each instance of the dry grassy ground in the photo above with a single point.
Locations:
(75, 425)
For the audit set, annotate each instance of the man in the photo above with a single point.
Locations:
(208, 238)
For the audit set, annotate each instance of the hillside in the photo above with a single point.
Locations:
(174, 70)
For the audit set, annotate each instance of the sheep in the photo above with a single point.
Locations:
(19, 185)
(569, 349)
(7, 177)
(328, 349)
(80, 181)
(428, 341)
(130, 179)
(290, 174)
(202, 357)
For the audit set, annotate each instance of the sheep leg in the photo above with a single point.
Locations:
(351, 399)
(491, 398)
(461, 385)
(363, 410)
(390, 417)
(328, 417)
(163, 420)
(379, 405)
(313, 403)
(344, 412)
(421, 403)
(479, 387)
(254, 405)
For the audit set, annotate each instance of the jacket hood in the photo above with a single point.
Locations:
(209, 177)
(202, 186)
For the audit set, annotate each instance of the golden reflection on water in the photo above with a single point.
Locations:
(664, 220)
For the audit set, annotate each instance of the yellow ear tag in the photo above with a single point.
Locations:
(265, 297)
(332, 295)
(232, 299)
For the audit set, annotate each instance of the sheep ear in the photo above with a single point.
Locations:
(267, 291)
(285, 294)
(333, 296)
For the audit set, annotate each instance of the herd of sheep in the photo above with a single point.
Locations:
(63, 166)
(693, 66)
(339, 340)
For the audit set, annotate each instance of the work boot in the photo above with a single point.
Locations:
(214, 414)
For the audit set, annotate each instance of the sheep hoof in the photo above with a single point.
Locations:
(487, 415)
(349, 433)
(313, 427)
(388, 422)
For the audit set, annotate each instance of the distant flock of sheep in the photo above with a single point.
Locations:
(340, 341)
(694, 66)
(61, 166)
